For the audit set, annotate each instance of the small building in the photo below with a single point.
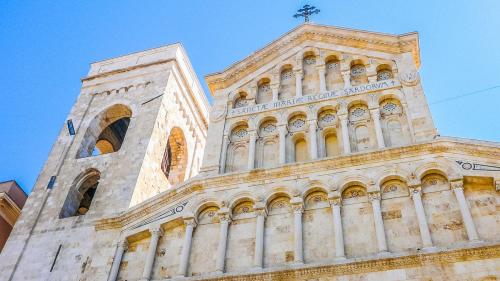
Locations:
(12, 199)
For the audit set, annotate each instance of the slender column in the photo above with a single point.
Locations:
(313, 142)
(322, 80)
(225, 220)
(379, 222)
(408, 121)
(275, 91)
(347, 78)
(186, 246)
(335, 203)
(298, 83)
(345, 134)
(458, 189)
(378, 128)
(156, 233)
(416, 194)
(261, 213)
(251, 150)
(298, 209)
(282, 136)
(120, 250)
(225, 143)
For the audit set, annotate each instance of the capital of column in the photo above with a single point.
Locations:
(225, 217)
(123, 244)
(415, 189)
(458, 183)
(297, 205)
(156, 230)
(375, 112)
(298, 73)
(372, 196)
(335, 201)
(190, 221)
(497, 184)
(261, 212)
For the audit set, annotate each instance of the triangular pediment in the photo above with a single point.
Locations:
(381, 42)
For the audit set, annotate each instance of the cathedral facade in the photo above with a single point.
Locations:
(318, 160)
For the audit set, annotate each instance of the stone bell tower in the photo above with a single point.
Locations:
(137, 128)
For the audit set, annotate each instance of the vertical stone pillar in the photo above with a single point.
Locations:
(260, 213)
(186, 246)
(298, 209)
(225, 220)
(375, 112)
(282, 144)
(225, 144)
(346, 75)
(115, 267)
(275, 91)
(379, 222)
(322, 78)
(156, 233)
(298, 83)
(251, 150)
(345, 133)
(458, 189)
(338, 233)
(313, 141)
(416, 194)
(409, 122)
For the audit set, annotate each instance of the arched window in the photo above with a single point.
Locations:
(264, 93)
(327, 121)
(362, 138)
(297, 139)
(237, 153)
(334, 79)
(268, 152)
(331, 145)
(175, 157)
(241, 100)
(384, 72)
(310, 82)
(106, 132)
(392, 120)
(358, 73)
(81, 194)
(287, 83)
(361, 128)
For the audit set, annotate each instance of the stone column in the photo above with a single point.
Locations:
(298, 83)
(416, 194)
(347, 78)
(251, 150)
(156, 233)
(275, 90)
(225, 143)
(115, 267)
(260, 213)
(313, 141)
(378, 127)
(335, 203)
(322, 78)
(409, 121)
(282, 144)
(186, 246)
(298, 209)
(379, 222)
(225, 220)
(345, 133)
(458, 189)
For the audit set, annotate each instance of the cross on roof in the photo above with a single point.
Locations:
(305, 12)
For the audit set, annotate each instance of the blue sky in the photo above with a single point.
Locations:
(47, 46)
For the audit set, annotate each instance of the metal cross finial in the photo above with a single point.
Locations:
(305, 12)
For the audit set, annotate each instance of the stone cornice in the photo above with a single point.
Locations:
(394, 44)
(191, 187)
(309, 272)
(9, 211)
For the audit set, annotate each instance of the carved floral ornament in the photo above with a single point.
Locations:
(409, 78)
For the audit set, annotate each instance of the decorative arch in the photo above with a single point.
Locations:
(241, 99)
(384, 72)
(287, 82)
(310, 80)
(264, 93)
(106, 132)
(362, 134)
(268, 143)
(81, 194)
(333, 74)
(175, 157)
(358, 72)
(237, 153)
(393, 122)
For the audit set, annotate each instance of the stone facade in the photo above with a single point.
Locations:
(322, 162)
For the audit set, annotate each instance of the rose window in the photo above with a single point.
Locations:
(357, 70)
(384, 75)
(285, 75)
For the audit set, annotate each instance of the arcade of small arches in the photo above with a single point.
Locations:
(310, 73)
(398, 214)
(328, 132)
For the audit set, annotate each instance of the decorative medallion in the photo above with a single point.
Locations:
(409, 78)
(218, 112)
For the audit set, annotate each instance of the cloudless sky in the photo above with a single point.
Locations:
(47, 46)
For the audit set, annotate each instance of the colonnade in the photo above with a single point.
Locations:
(260, 212)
